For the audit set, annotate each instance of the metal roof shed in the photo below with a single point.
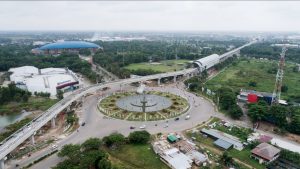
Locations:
(171, 138)
(223, 144)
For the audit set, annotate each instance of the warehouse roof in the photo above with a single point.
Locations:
(69, 45)
(223, 144)
(223, 136)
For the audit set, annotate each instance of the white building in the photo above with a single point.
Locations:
(176, 160)
(48, 80)
(207, 62)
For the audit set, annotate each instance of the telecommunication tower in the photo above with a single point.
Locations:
(279, 77)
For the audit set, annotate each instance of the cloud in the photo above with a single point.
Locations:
(150, 15)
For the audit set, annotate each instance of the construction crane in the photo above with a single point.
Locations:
(279, 77)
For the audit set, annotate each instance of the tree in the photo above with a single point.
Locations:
(235, 112)
(60, 94)
(226, 159)
(18, 97)
(227, 98)
(92, 144)
(257, 111)
(85, 52)
(71, 151)
(25, 97)
(279, 113)
(66, 164)
(294, 125)
(104, 164)
(284, 88)
(91, 158)
(139, 137)
(114, 139)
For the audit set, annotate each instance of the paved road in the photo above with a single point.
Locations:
(98, 126)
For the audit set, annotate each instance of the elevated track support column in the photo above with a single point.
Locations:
(53, 122)
(2, 165)
(158, 82)
(174, 79)
(121, 87)
(32, 140)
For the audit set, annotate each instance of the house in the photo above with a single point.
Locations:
(265, 153)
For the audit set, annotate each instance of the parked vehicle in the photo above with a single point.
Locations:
(177, 118)
(132, 127)
(143, 126)
(187, 117)
(83, 124)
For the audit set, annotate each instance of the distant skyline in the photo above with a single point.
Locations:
(150, 16)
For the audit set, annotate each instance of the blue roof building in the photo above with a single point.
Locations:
(67, 46)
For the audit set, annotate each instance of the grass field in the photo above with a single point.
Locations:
(238, 76)
(136, 156)
(164, 66)
(34, 103)
(244, 156)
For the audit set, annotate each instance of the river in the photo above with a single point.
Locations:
(8, 119)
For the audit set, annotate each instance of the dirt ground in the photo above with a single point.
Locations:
(46, 135)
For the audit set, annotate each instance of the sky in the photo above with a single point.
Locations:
(150, 15)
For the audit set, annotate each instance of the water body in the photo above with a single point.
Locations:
(8, 119)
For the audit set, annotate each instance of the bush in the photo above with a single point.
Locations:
(114, 139)
(139, 137)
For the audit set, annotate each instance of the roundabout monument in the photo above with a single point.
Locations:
(143, 105)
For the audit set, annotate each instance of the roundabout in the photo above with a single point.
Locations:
(149, 106)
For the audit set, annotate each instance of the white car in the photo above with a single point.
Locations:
(166, 125)
(53, 147)
(187, 117)
(143, 126)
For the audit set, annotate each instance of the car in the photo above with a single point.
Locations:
(83, 124)
(166, 125)
(105, 88)
(132, 127)
(54, 146)
(187, 117)
(143, 126)
(176, 119)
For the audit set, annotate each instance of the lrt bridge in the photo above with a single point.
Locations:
(30, 129)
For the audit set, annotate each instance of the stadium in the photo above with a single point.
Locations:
(66, 46)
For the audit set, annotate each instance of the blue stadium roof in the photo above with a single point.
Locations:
(69, 45)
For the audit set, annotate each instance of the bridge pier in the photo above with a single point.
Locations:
(53, 122)
(121, 87)
(158, 82)
(174, 79)
(32, 139)
(2, 165)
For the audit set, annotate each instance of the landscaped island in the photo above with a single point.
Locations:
(128, 106)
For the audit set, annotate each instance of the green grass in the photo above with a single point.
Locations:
(238, 76)
(241, 133)
(244, 156)
(165, 66)
(34, 103)
(137, 156)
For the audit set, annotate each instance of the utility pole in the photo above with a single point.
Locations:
(279, 77)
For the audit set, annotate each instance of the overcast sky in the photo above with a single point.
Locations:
(150, 16)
